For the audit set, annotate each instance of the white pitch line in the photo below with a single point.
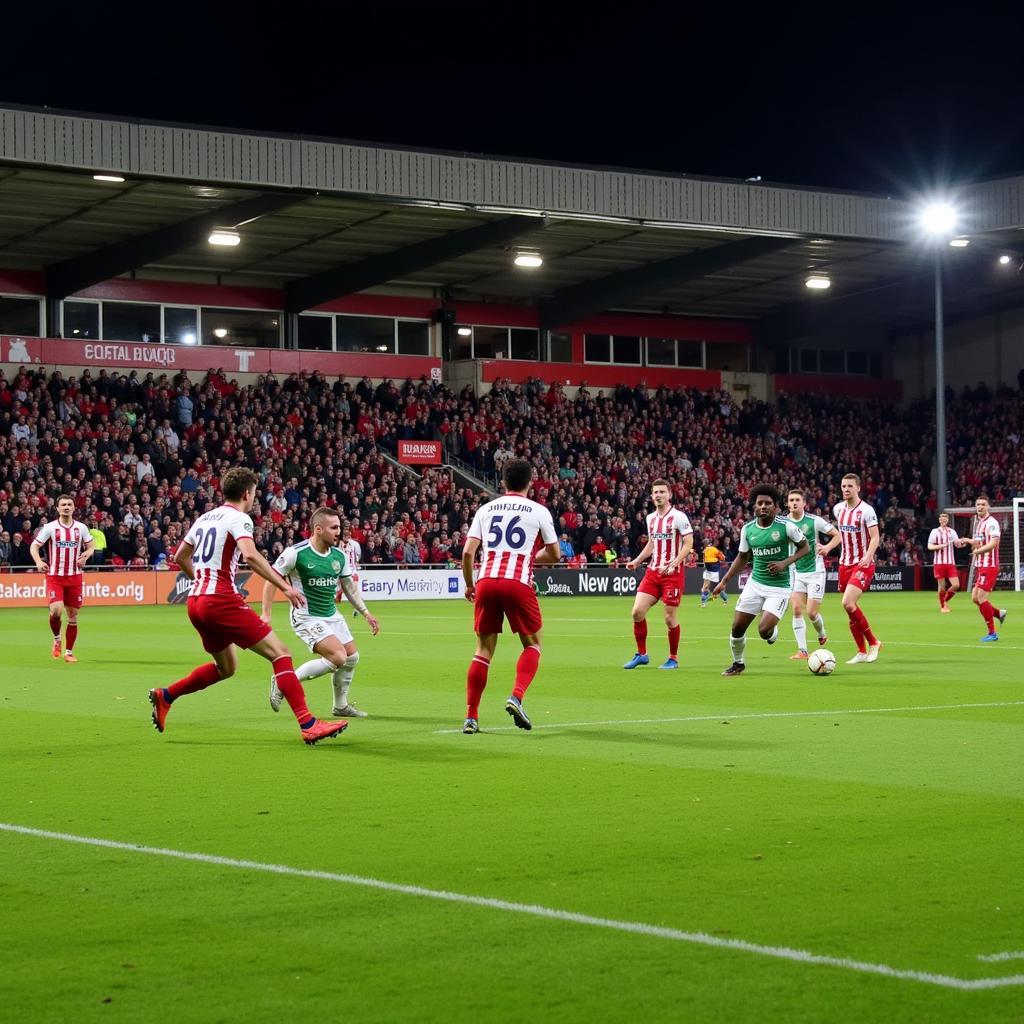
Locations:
(533, 910)
(994, 958)
(696, 638)
(753, 714)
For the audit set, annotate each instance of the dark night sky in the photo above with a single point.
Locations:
(887, 104)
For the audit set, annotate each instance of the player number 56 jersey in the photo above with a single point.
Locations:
(214, 537)
(510, 530)
(666, 533)
(66, 544)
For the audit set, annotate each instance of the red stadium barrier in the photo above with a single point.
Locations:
(143, 356)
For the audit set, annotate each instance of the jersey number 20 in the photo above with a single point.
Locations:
(204, 545)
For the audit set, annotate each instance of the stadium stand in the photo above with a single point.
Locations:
(143, 455)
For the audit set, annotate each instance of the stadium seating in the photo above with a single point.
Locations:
(143, 455)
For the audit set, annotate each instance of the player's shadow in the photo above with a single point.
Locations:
(418, 753)
(688, 740)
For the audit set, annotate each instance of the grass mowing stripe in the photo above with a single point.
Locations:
(634, 927)
(754, 714)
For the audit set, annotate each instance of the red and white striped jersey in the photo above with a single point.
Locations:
(944, 535)
(511, 529)
(986, 530)
(853, 529)
(353, 553)
(214, 537)
(66, 544)
(666, 533)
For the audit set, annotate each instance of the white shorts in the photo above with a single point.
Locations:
(756, 597)
(311, 629)
(711, 575)
(810, 583)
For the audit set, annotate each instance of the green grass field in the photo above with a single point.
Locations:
(775, 847)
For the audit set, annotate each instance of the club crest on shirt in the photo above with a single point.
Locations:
(776, 535)
(336, 565)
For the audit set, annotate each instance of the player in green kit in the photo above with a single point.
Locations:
(808, 575)
(772, 545)
(317, 568)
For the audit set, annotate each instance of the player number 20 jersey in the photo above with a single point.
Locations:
(214, 537)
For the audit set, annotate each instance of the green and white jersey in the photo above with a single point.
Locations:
(314, 575)
(811, 526)
(771, 543)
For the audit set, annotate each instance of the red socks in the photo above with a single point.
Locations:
(55, 624)
(288, 683)
(673, 641)
(942, 598)
(988, 613)
(865, 628)
(950, 594)
(70, 637)
(640, 632)
(526, 669)
(198, 679)
(857, 632)
(476, 683)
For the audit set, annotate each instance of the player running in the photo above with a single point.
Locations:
(71, 544)
(209, 556)
(808, 575)
(669, 541)
(514, 533)
(942, 540)
(773, 544)
(316, 568)
(713, 560)
(858, 534)
(985, 549)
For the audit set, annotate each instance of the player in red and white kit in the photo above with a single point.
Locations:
(942, 540)
(209, 556)
(985, 548)
(71, 544)
(669, 541)
(858, 535)
(513, 532)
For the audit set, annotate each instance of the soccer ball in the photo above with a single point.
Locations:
(821, 662)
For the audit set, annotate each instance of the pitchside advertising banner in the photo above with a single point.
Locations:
(23, 590)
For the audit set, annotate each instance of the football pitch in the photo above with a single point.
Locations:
(663, 846)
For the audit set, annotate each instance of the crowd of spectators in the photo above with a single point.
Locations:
(142, 456)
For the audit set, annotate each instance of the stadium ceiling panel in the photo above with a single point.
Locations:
(375, 270)
(74, 274)
(396, 223)
(596, 296)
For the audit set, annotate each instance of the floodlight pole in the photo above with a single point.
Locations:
(941, 492)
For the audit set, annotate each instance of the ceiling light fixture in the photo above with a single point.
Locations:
(818, 282)
(220, 332)
(464, 332)
(1004, 259)
(108, 177)
(959, 243)
(529, 260)
(224, 236)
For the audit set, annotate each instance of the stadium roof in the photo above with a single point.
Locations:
(323, 218)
